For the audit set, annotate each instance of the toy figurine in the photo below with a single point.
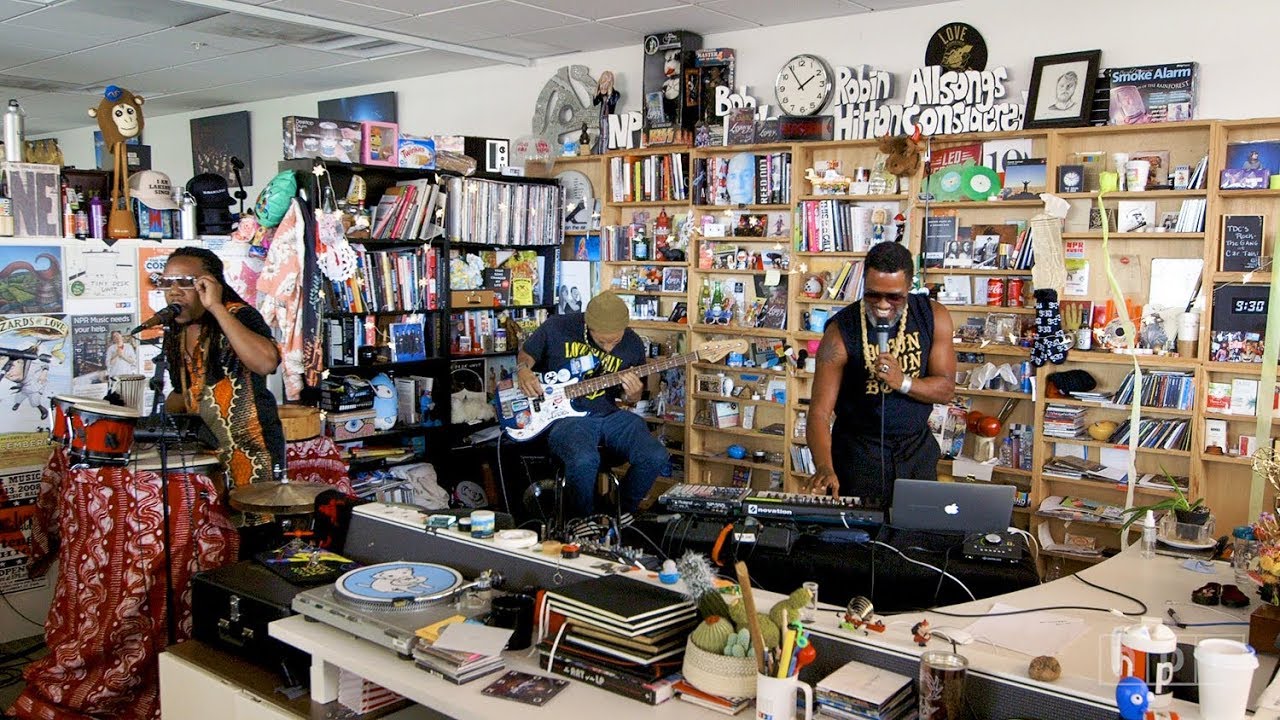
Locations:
(879, 218)
(921, 633)
(607, 99)
(1132, 698)
(584, 140)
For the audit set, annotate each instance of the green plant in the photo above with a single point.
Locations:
(1178, 502)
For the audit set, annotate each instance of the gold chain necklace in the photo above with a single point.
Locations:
(871, 351)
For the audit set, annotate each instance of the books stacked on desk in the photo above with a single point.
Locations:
(619, 634)
(719, 703)
(857, 691)
(456, 666)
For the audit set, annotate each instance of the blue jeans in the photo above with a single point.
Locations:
(577, 442)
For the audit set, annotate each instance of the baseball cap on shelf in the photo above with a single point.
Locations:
(209, 190)
(152, 188)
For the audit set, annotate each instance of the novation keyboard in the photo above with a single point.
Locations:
(822, 509)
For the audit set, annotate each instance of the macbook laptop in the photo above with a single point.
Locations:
(951, 506)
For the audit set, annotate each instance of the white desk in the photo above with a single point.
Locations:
(1086, 680)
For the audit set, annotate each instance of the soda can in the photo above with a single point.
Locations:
(995, 291)
(1014, 298)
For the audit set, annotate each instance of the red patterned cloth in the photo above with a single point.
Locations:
(317, 460)
(108, 619)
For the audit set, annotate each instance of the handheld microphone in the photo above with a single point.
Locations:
(882, 335)
(163, 317)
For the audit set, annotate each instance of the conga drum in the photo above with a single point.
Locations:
(60, 419)
(101, 433)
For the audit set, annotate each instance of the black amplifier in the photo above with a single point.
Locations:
(231, 607)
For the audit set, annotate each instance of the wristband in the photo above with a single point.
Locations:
(905, 388)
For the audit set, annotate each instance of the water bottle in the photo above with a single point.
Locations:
(1149, 536)
(15, 132)
(188, 212)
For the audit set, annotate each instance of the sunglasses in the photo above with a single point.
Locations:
(181, 282)
(873, 297)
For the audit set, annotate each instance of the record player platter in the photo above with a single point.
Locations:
(393, 585)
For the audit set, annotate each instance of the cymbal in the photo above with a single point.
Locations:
(277, 497)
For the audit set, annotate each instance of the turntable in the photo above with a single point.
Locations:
(387, 603)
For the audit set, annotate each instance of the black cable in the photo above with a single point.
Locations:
(652, 544)
(1131, 598)
(21, 654)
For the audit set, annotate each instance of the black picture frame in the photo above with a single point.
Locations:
(215, 139)
(1052, 110)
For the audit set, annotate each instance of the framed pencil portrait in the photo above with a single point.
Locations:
(1062, 90)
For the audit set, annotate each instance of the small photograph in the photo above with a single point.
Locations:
(674, 279)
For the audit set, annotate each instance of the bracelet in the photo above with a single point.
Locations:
(905, 388)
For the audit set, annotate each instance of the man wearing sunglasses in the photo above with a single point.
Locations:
(869, 410)
(219, 352)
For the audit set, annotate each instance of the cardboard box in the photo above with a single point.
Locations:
(669, 111)
(336, 140)
(349, 425)
(464, 299)
(417, 152)
(380, 143)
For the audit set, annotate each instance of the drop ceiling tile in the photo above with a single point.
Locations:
(520, 46)
(264, 29)
(585, 36)
(13, 55)
(772, 12)
(418, 7)
(695, 19)
(12, 8)
(896, 4)
(165, 13)
(94, 65)
(59, 42)
(597, 9)
(498, 17)
(74, 15)
(220, 71)
(179, 41)
(362, 15)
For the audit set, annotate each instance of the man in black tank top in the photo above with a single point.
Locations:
(869, 409)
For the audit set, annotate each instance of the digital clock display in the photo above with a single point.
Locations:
(1248, 306)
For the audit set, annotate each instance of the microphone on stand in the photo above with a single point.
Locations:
(163, 317)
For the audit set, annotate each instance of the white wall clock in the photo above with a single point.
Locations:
(803, 85)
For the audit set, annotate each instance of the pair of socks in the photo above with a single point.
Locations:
(1051, 343)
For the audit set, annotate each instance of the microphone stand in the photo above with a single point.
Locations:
(158, 405)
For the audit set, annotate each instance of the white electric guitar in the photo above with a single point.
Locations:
(525, 418)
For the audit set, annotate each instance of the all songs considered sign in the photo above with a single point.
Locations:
(937, 101)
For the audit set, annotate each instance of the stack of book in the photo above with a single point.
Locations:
(1160, 389)
(619, 634)
(1063, 421)
(409, 211)
(719, 703)
(858, 691)
(456, 666)
(1157, 434)
(649, 178)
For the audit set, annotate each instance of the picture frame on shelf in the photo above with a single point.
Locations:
(1062, 89)
(674, 279)
(408, 342)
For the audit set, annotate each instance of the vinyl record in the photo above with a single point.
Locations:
(1115, 336)
(957, 46)
(980, 183)
(394, 585)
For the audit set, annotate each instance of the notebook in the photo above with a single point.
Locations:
(622, 605)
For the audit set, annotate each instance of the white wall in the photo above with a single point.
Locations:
(498, 101)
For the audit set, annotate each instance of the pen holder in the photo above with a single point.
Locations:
(719, 674)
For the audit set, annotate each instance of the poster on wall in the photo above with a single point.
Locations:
(15, 530)
(101, 349)
(151, 299)
(100, 273)
(30, 279)
(34, 366)
(218, 141)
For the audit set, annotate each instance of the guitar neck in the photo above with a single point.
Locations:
(595, 385)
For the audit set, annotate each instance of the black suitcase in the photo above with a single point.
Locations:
(231, 608)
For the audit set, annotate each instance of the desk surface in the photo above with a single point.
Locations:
(1086, 669)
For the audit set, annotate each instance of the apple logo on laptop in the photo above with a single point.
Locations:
(952, 509)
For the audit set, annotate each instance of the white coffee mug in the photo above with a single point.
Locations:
(1136, 173)
(1224, 671)
(776, 699)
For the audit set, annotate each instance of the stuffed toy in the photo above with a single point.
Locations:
(119, 116)
(903, 152)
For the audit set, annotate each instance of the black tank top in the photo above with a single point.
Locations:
(858, 406)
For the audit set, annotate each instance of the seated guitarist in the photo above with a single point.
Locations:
(582, 345)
